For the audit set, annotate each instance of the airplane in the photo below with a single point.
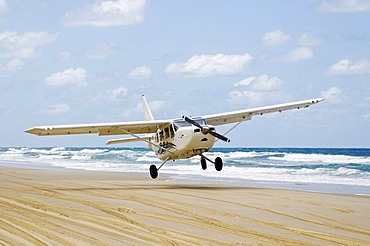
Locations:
(172, 139)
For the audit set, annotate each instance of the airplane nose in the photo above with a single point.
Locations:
(205, 130)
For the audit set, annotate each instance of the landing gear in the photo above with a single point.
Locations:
(218, 162)
(203, 162)
(153, 171)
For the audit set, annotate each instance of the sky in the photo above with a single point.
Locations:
(69, 62)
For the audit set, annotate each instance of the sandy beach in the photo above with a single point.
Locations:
(67, 207)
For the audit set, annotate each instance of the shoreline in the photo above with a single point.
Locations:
(318, 170)
(330, 188)
(79, 207)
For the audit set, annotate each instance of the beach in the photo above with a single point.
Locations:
(73, 207)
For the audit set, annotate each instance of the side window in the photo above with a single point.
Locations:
(166, 133)
(172, 133)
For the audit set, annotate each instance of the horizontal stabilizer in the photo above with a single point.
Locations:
(127, 140)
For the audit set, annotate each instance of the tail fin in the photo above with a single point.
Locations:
(147, 113)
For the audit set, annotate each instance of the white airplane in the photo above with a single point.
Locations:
(172, 139)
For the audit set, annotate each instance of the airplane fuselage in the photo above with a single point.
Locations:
(181, 140)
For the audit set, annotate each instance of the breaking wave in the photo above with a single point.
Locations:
(295, 165)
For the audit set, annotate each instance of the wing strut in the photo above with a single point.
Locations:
(145, 140)
(232, 128)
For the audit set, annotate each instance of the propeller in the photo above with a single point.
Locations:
(206, 129)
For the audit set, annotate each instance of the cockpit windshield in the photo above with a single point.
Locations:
(182, 123)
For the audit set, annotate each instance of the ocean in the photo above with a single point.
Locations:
(344, 171)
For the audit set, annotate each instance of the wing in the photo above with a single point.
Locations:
(247, 114)
(127, 140)
(118, 128)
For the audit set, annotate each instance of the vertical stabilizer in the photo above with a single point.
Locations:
(147, 113)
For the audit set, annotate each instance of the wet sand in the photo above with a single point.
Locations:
(66, 207)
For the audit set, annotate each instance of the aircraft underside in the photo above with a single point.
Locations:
(218, 163)
(186, 142)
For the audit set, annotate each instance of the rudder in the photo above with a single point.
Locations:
(148, 116)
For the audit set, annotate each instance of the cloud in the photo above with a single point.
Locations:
(366, 117)
(116, 94)
(261, 83)
(307, 39)
(142, 72)
(70, 76)
(346, 66)
(23, 46)
(210, 65)
(106, 13)
(58, 109)
(346, 6)
(258, 90)
(101, 51)
(333, 95)
(64, 56)
(275, 38)
(302, 53)
(12, 66)
(155, 106)
(3, 8)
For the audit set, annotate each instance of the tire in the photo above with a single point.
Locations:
(203, 162)
(153, 171)
(218, 164)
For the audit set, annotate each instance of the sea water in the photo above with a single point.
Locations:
(314, 169)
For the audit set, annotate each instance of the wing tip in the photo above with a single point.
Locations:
(317, 100)
(33, 131)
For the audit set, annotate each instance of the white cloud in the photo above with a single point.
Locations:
(307, 39)
(58, 109)
(333, 95)
(366, 117)
(13, 45)
(302, 53)
(262, 83)
(70, 76)
(346, 66)
(155, 106)
(101, 51)
(346, 6)
(107, 13)
(117, 94)
(12, 66)
(258, 90)
(210, 65)
(275, 38)
(142, 72)
(65, 56)
(2, 6)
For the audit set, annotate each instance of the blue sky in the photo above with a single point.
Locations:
(67, 62)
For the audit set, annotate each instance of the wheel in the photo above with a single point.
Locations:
(203, 162)
(153, 171)
(218, 164)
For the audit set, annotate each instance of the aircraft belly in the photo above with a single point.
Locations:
(193, 144)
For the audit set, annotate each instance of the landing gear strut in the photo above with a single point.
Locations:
(218, 162)
(153, 170)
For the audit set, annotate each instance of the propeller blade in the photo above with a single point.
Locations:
(215, 134)
(193, 122)
(219, 136)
